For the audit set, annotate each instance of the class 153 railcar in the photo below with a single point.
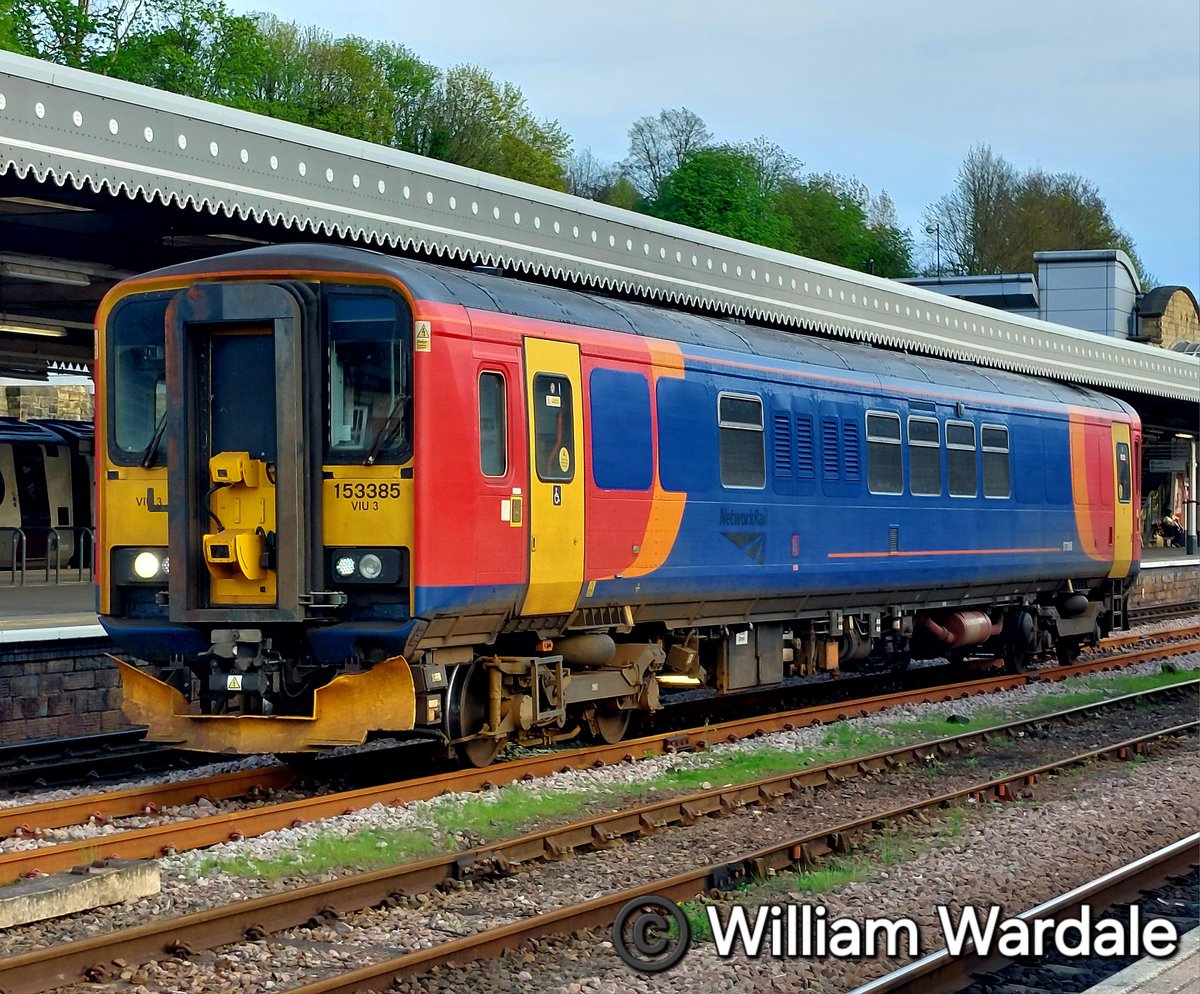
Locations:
(344, 493)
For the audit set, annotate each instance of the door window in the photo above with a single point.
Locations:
(553, 428)
(1124, 476)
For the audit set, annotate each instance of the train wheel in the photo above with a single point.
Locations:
(1067, 651)
(609, 725)
(1016, 659)
(468, 714)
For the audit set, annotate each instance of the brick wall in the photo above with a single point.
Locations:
(1179, 322)
(1165, 585)
(49, 694)
(70, 403)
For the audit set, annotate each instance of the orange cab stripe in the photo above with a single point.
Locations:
(666, 507)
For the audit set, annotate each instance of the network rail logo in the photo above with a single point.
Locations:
(652, 934)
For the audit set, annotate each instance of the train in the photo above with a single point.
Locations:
(344, 494)
(46, 494)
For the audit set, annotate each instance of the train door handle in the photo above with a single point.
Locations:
(533, 543)
(1110, 535)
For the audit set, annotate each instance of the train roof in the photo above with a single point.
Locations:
(508, 295)
(15, 430)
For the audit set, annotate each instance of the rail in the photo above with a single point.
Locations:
(36, 972)
(942, 973)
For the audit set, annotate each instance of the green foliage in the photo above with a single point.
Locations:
(507, 811)
(16, 32)
(369, 849)
(197, 48)
(719, 190)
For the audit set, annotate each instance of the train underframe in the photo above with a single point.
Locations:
(256, 690)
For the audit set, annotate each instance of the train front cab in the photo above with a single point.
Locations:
(234, 547)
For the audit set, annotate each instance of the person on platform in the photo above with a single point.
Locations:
(1172, 531)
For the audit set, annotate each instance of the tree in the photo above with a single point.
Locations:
(587, 176)
(473, 121)
(197, 48)
(309, 77)
(412, 83)
(995, 218)
(720, 190)
(658, 146)
(830, 219)
(85, 34)
(1063, 211)
(16, 32)
(973, 220)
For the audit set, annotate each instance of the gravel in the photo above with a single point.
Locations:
(149, 780)
(436, 917)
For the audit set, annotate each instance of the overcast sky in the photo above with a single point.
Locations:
(892, 92)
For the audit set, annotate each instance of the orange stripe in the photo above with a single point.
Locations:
(935, 552)
(666, 507)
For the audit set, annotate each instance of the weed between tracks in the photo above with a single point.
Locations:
(458, 821)
(802, 886)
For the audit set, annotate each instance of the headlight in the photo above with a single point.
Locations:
(348, 567)
(146, 565)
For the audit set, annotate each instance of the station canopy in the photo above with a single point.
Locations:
(100, 179)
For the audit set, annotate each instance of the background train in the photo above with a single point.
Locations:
(342, 493)
(46, 493)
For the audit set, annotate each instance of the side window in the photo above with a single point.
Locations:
(960, 459)
(493, 425)
(925, 456)
(743, 461)
(553, 428)
(997, 479)
(1124, 475)
(885, 467)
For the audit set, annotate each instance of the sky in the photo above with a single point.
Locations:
(892, 92)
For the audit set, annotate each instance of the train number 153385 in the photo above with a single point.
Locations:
(358, 490)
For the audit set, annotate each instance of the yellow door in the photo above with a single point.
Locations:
(1123, 507)
(552, 386)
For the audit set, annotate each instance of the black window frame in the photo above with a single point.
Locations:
(1124, 474)
(547, 470)
(502, 436)
(924, 445)
(387, 456)
(725, 427)
(117, 455)
(985, 449)
(956, 447)
(874, 463)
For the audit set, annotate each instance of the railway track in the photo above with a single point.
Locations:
(178, 836)
(41, 971)
(119, 755)
(87, 758)
(943, 973)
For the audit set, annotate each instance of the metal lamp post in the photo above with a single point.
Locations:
(935, 229)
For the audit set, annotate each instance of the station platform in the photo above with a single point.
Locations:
(48, 612)
(1158, 558)
(1180, 974)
